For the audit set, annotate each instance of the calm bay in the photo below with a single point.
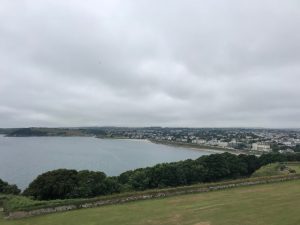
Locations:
(23, 158)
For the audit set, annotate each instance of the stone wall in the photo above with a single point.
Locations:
(136, 197)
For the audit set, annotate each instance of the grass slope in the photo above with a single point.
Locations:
(294, 166)
(274, 169)
(271, 204)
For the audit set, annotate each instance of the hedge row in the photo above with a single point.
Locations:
(43, 207)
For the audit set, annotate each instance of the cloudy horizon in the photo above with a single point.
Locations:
(150, 63)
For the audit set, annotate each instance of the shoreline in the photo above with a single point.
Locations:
(177, 145)
(200, 147)
(191, 146)
(181, 145)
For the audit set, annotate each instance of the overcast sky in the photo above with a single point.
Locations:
(147, 63)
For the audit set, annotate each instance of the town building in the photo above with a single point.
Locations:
(262, 147)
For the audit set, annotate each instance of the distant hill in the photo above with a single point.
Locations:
(7, 130)
(38, 132)
(65, 132)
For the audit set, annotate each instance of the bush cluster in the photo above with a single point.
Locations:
(6, 188)
(63, 183)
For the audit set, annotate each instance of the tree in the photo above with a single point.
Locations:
(216, 166)
(297, 148)
(251, 161)
(89, 184)
(63, 183)
(139, 180)
(7, 188)
(56, 184)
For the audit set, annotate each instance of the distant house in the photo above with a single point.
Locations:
(213, 142)
(288, 143)
(287, 151)
(184, 139)
(223, 144)
(199, 141)
(262, 147)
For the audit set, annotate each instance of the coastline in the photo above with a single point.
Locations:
(199, 147)
(121, 138)
(181, 145)
(195, 147)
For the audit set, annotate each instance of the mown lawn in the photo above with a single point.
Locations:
(271, 204)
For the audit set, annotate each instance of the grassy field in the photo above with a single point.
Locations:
(271, 204)
(274, 169)
(294, 166)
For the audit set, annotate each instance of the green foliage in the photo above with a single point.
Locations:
(205, 169)
(88, 184)
(111, 185)
(7, 188)
(297, 148)
(252, 162)
(62, 184)
(271, 158)
(22, 203)
(56, 184)
(272, 204)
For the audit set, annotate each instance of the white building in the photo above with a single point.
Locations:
(213, 142)
(261, 147)
(288, 143)
(287, 151)
(199, 141)
(223, 144)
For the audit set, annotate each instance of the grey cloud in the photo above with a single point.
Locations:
(140, 63)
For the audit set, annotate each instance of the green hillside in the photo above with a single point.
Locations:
(271, 204)
(274, 169)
